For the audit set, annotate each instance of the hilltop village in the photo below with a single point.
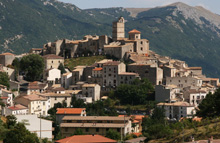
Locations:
(179, 89)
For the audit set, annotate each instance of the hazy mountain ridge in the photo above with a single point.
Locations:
(177, 30)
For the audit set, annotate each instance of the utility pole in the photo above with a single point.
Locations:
(40, 127)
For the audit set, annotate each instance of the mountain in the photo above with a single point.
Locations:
(180, 31)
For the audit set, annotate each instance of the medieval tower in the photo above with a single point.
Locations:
(118, 29)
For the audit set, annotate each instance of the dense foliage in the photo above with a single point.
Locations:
(32, 66)
(112, 134)
(4, 79)
(210, 107)
(13, 132)
(61, 68)
(137, 93)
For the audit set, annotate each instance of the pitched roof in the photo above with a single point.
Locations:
(93, 125)
(7, 54)
(89, 85)
(96, 118)
(33, 97)
(183, 104)
(52, 56)
(134, 31)
(97, 69)
(112, 63)
(70, 110)
(86, 139)
(17, 107)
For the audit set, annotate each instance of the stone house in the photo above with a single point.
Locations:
(194, 97)
(186, 81)
(90, 93)
(36, 87)
(153, 74)
(10, 72)
(167, 93)
(66, 80)
(95, 124)
(17, 109)
(178, 110)
(36, 104)
(6, 58)
(52, 61)
(110, 73)
(52, 76)
(77, 74)
(127, 77)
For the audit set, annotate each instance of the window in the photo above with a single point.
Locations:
(65, 98)
(55, 98)
(109, 75)
(107, 129)
(44, 103)
(52, 62)
(87, 129)
(118, 129)
(141, 49)
(141, 42)
(97, 129)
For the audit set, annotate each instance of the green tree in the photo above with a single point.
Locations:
(61, 68)
(210, 107)
(19, 134)
(11, 121)
(32, 65)
(3, 130)
(16, 66)
(136, 93)
(78, 131)
(4, 79)
(112, 134)
(77, 103)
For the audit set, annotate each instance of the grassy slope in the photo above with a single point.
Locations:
(200, 133)
(82, 61)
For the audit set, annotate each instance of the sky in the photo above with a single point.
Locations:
(212, 5)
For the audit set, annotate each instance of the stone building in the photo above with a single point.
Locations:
(95, 125)
(77, 74)
(91, 91)
(66, 80)
(186, 81)
(6, 58)
(118, 29)
(153, 74)
(167, 93)
(110, 73)
(35, 103)
(52, 61)
(194, 97)
(127, 77)
(178, 110)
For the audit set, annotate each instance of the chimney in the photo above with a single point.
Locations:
(210, 140)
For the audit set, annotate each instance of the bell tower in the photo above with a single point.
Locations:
(118, 29)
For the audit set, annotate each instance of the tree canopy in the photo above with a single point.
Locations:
(4, 79)
(136, 93)
(32, 65)
(210, 107)
(61, 68)
(112, 134)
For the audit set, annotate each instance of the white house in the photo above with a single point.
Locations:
(52, 76)
(17, 109)
(194, 97)
(178, 110)
(42, 127)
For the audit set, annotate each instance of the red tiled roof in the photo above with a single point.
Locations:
(4, 97)
(135, 121)
(52, 56)
(97, 69)
(137, 134)
(17, 107)
(86, 139)
(7, 54)
(134, 31)
(70, 110)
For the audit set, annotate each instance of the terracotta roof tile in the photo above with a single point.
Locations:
(70, 110)
(17, 107)
(97, 69)
(7, 54)
(134, 31)
(52, 56)
(86, 139)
